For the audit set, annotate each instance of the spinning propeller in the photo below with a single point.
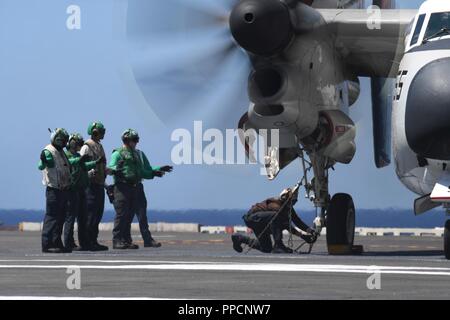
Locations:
(188, 59)
(186, 62)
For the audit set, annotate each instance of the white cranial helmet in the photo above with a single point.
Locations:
(285, 193)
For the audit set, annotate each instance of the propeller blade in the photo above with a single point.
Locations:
(213, 7)
(175, 51)
(182, 97)
(384, 4)
(225, 95)
(186, 63)
(149, 19)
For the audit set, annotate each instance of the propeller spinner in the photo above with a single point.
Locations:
(261, 27)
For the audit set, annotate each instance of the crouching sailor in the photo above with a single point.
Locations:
(270, 218)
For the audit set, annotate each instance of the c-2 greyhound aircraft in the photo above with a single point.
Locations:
(306, 60)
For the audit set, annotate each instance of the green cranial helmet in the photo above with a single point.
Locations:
(59, 137)
(75, 140)
(96, 127)
(130, 135)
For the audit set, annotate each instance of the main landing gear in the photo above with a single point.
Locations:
(340, 221)
(337, 213)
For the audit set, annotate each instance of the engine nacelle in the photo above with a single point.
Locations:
(335, 136)
(279, 94)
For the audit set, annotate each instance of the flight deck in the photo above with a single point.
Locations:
(204, 266)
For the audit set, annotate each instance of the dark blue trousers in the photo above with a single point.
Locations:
(95, 197)
(56, 208)
(130, 201)
(264, 224)
(77, 211)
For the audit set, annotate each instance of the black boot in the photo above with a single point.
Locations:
(152, 244)
(252, 243)
(72, 247)
(281, 248)
(66, 250)
(131, 245)
(98, 247)
(52, 250)
(78, 248)
(120, 245)
(237, 242)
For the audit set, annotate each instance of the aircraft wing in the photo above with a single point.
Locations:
(369, 51)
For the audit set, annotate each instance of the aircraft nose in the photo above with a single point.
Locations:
(427, 122)
(262, 27)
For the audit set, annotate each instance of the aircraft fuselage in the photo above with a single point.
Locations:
(421, 112)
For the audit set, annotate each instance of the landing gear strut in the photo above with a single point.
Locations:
(338, 213)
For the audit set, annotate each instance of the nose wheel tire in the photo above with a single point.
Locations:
(340, 221)
(447, 240)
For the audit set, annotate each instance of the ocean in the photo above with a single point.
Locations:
(401, 218)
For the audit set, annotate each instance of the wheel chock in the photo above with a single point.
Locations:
(343, 250)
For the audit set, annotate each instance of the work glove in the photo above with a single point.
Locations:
(313, 231)
(309, 238)
(158, 173)
(92, 174)
(166, 168)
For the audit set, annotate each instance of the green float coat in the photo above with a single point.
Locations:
(132, 166)
(50, 162)
(79, 170)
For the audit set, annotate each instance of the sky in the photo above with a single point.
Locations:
(52, 77)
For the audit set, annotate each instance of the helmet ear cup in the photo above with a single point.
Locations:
(71, 144)
(91, 128)
(94, 130)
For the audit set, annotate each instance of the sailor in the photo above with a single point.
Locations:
(129, 167)
(95, 192)
(56, 177)
(271, 217)
(77, 208)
